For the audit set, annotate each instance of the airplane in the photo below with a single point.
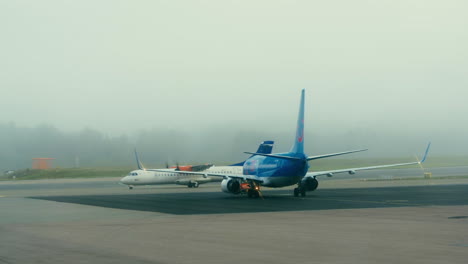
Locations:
(144, 176)
(285, 169)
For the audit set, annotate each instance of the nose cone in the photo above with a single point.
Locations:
(124, 180)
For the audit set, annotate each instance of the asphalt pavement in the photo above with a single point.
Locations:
(345, 220)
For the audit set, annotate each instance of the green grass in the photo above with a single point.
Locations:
(64, 173)
(419, 178)
(431, 162)
(315, 165)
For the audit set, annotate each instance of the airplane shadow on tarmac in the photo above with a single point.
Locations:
(276, 200)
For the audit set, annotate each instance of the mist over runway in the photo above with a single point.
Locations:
(195, 82)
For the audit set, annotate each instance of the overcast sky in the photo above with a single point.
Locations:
(399, 66)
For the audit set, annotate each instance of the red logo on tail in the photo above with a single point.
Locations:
(300, 137)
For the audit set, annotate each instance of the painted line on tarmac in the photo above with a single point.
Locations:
(396, 201)
(393, 202)
(460, 245)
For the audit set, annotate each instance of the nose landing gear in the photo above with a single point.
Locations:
(253, 193)
(253, 190)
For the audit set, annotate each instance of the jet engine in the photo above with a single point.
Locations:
(231, 186)
(310, 184)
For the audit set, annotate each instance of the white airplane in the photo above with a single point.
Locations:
(144, 176)
(284, 169)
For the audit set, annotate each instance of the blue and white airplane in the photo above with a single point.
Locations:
(285, 169)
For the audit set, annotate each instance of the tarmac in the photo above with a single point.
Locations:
(99, 221)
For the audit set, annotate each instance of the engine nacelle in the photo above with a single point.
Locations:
(310, 184)
(231, 186)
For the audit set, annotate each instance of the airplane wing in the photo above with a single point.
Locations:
(208, 174)
(353, 170)
(308, 158)
(334, 154)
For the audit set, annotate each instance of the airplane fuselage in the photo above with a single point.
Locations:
(149, 177)
(277, 172)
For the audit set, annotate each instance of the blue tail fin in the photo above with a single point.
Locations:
(298, 146)
(264, 148)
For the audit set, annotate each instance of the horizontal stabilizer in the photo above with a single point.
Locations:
(274, 156)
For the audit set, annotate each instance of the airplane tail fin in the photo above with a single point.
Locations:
(139, 164)
(264, 148)
(298, 146)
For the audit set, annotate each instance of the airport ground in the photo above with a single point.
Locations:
(371, 218)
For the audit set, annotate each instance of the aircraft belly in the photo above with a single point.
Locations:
(279, 181)
(141, 182)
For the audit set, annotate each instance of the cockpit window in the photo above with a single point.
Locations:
(133, 174)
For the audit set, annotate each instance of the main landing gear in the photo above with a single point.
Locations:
(253, 189)
(309, 184)
(299, 190)
(193, 184)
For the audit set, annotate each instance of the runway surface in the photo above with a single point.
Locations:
(276, 200)
(99, 221)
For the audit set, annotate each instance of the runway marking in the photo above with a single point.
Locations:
(460, 245)
(396, 202)
(458, 217)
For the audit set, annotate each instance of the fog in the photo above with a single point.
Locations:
(202, 81)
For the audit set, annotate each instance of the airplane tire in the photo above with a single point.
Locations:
(130, 187)
(296, 192)
(190, 185)
(303, 192)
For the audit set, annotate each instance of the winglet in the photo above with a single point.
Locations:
(425, 154)
(140, 166)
